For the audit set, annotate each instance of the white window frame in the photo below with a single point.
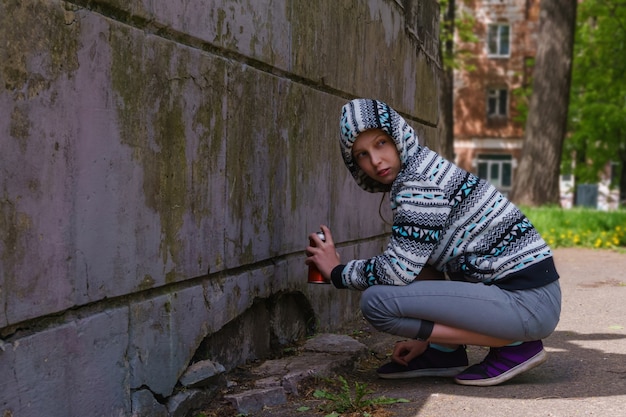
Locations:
(495, 164)
(495, 95)
(500, 41)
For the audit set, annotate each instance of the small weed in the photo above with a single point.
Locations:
(347, 400)
(357, 333)
(290, 351)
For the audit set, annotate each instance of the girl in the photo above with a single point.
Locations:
(501, 288)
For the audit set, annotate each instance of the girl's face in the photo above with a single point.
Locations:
(376, 154)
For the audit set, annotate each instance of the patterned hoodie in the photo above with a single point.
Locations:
(443, 216)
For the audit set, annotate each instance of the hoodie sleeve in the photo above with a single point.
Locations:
(421, 212)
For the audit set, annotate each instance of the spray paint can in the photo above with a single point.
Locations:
(315, 276)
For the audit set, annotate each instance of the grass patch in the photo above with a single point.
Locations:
(579, 227)
(357, 401)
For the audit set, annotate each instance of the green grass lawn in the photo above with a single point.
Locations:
(580, 227)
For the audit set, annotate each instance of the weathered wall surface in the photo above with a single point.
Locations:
(162, 164)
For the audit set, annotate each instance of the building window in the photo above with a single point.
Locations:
(497, 102)
(615, 172)
(498, 42)
(497, 169)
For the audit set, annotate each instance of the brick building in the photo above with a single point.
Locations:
(487, 138)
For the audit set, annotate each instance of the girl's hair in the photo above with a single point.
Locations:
(380, 209)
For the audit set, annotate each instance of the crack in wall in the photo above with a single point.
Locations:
(158, 397)
(35, 325)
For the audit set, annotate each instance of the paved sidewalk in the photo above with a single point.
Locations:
(586, 371)
(585, 374)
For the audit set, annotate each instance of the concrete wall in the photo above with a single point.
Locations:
(162, 164)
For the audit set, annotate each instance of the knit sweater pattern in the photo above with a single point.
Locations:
(445, 217)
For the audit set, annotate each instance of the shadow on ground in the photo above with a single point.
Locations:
(584, 375)
(574, 370)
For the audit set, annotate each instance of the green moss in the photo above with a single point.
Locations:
(208, 124)
(172, 276)
(176, 135)
(304, 161)
(20, 127)
(224, 32)
(14, 225)
(43, 30)
(152, 123)
(169, 168)
(248, 152)
(146, 283)
(221, 19)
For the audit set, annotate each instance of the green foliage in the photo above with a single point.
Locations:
(460, 29)
(579, 227)
(522, 98)
(348, 401)
(598, 92)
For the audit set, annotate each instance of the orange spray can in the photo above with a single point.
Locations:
(315, 276)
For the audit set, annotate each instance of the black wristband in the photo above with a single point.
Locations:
(425, 330)
(335, 276)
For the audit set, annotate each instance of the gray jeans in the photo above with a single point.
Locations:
(521, 315)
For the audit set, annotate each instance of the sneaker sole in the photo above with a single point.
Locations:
(536, 360)
(424, 372)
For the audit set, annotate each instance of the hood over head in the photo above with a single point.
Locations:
(360, 115)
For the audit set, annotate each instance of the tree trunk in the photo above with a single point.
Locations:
(537, 176)
(622, 183)
(446, 126)
(446, 98)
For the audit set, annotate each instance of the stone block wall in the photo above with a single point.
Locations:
(162, 165)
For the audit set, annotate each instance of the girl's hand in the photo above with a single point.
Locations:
(405, 351)
(322, 254)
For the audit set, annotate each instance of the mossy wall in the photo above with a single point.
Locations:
(162, 165)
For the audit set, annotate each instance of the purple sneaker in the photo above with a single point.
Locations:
(502, 364)
(432, 362)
